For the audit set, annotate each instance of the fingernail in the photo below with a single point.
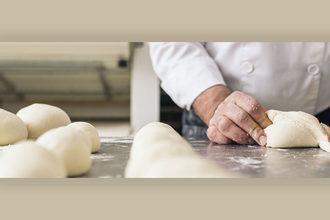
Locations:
(263, 140)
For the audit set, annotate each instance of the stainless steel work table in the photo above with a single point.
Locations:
(248, 161)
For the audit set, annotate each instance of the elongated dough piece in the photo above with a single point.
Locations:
(158, 151)
(296, 129)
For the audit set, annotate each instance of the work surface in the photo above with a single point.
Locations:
(247, 161)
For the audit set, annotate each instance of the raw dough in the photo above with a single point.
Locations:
(12, 128)
(72, 146)
(159, 151)
(90, 131)
(40, 118)
(29, 160)
(295, 129)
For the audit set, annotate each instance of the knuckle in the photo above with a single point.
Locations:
(223, 105)
(232, 96)
(224, 124)
(220, 111)
(236, 93)
(252, 101)
(243, 117)
(253, 106)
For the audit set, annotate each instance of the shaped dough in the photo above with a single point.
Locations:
(30, 160)
(40, 118)
(12, 128)
(159, 151)
(90, 131)
(72, 146)
(296, 129)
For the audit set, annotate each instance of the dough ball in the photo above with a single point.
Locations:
(90, 131)
(294, 129)
(40, 118)
(72, 146)
(30, 160)
(287, 134)
(12, 128)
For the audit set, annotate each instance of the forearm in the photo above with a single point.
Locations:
(207, 102)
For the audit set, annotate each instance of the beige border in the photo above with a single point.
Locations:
(165, 198)
(171, 20)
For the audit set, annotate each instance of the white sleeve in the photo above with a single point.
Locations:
(185, 70)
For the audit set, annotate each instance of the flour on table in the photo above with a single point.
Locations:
(246, 161)
(102, 157)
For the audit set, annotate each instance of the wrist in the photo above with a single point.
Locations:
(207, 102)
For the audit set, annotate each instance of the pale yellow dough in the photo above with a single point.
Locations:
(90, 131)
(296, 129)
(72, 146)
(40, 118)
(28, 159)
(158, 151)
(12, 128)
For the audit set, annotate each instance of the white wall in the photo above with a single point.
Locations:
(145, 91)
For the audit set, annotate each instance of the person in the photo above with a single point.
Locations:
(226, 87)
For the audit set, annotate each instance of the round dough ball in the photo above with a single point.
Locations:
(12, 128)
(295, 129)
(72, 146)
(90, 131)
(287, 134)
(30, 160)
(40, 118)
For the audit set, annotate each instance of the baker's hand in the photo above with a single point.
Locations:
(239, 118)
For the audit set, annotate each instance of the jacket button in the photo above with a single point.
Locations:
(313, 69)
(247, 67)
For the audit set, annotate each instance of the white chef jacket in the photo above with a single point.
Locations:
(283, 76)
